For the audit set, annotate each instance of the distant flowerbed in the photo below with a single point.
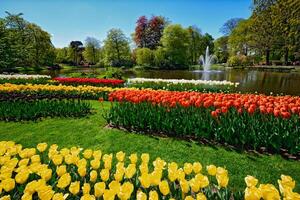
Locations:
(243, 120)
(90, 81)
(23, 76)
(73, 173)
(182, 85)
(182, 81)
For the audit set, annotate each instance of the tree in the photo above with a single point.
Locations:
(207, 41)
(240, 38)
(221, 49)
(286, 23)
(144, 57)
(62, 55)
(75, 52)
(116, 49)
(149, 32)
(195, 48)
(91, 51)
(229, 25)
(175, 42)
(24, 44)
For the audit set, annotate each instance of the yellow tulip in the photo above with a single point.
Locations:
(203, 180)
(144, 168)
(86, 188)
(211, 169)
(120, 156)
(145, 157)
(187, 168)
(99, 189)
(46, 174)
(8, 184)
(93, 176)
(133, 158)
(35, 159)
(145, 180)
(42, 147)
(64, 181)
(57, 159)
(188, 198)
(22, 176)
(184, 186)
(61, 170)
(104, 174)
(31, 187)
(164, 187)
(153, 195)
(58, 196)
(141, 195)
(197, 167)
(88, 153)
(95, 164)
(252, 193)
(26, 196)
(130, 171)
(200, 196)
(97, 155)
(45, 193)
(251, 181)
(109, 195)
(7, 197)
(195, 185)
(222, 180)
(87, 197)
(23, 162)
(269, 192)
(74, 187)
(125, 191)
(81, 171)
(114, 186)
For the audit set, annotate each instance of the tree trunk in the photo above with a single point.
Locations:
(286, 56)
(268, 57)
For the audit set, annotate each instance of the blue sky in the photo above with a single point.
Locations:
(68, 20)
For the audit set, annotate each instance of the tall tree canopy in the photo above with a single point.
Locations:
(116, 49)
(229, 25)
(175, 42)
(91, 51)
(23, 43)
(149, 32)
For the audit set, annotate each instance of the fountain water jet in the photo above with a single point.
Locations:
(206, 62)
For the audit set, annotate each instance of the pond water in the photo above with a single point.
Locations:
(250, 80)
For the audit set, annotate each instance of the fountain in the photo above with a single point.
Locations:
(206, 62)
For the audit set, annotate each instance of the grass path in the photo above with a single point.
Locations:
(90, 132)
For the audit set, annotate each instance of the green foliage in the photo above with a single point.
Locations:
(62, 55)
(20, 110)
(26, 81)
(175, 42)
(112, 72)
(221, 49)
(24, 44)
(91, 51)
(116, 49)
(244, 131)
(160, 58)
(240, 61)
(144, 57)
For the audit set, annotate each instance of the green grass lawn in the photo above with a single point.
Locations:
(90, 132)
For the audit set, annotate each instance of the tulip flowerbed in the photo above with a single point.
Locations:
(24, 78)
(51, 173)
(20, 110)
(13, 91)
(182, 85)
(90, 81)
(244, 121)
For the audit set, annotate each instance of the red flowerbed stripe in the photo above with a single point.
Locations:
(283, 106)
(90, 80)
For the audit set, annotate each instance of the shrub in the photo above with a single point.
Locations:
(240, 61)
(20, 110)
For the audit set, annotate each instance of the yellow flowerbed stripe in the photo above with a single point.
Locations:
(53, 173)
